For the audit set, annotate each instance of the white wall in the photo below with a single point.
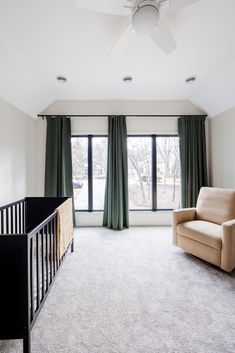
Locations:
(222, 149)
(125, 107)
(135, 125)
(99, 125)
(40, 154)
(17, 154)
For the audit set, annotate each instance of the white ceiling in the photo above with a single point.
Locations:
(44, 38)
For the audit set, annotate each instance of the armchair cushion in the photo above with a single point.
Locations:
(204, 232)
(216, 205)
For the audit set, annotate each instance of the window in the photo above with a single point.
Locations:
(168, 172)
(80, 172)
(89, 158)
(153, 172)
(99, 163)
(140, 172)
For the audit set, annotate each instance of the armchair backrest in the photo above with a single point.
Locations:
(215, 205)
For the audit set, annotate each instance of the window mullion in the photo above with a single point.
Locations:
(154, 173)
(90, 175)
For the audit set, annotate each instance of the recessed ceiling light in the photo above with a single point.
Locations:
(191, 79)
(61, 79)
(127, 79)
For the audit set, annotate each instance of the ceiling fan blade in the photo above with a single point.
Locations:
(163, 37)
(112, 7)
(175, 5)
(123, 41)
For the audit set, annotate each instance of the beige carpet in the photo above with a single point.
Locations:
(133, 292)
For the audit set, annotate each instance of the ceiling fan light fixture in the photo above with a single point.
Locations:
(145, 18)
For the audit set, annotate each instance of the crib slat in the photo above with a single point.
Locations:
(16, 219)
(38, 270)
(11, 219)
(24, 225)
(1, 217)
(31, 280)
(47, 258)
(55, 245)
(7, 221)
(43, 263)
(20, 215)
(51, 252)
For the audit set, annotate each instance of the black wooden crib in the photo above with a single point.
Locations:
(30, 236)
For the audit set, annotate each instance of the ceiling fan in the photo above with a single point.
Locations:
(145, 18)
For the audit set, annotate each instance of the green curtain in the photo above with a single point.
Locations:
(116, 210)
(58, 171)
(192, 142)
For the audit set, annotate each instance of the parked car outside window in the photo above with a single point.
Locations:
(77, 184)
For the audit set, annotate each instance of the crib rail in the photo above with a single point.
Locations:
(43, 263)
(12, 218)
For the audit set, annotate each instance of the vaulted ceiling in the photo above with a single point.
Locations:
(40, 39)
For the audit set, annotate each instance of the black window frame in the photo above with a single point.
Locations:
(90, 170)
(154, 171)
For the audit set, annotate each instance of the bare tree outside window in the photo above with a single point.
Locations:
(168, 172)
(80, 172)
(140, 173)
(99, 164)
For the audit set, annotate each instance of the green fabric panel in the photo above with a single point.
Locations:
(193, 164)
(116, 206)
(58, 170)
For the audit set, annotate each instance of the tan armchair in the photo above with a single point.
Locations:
(208, 231)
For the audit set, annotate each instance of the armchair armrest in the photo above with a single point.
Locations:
(180, 216)
(228, 246)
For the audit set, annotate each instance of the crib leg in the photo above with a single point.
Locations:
(72, 246)
(26, 343)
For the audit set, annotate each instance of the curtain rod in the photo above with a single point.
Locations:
(127, 115)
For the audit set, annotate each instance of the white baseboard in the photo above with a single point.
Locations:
(137, 218)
